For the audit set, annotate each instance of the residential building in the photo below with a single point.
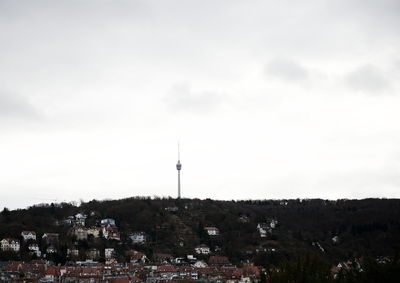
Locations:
(94, 231)
(107, 222)
(10, 244)
(80, 232)
(28, 235)
(72, 252)
(111, 233)
(212, 231)
(109, 253)
(202, 249)
(138, 237)
(51, 249)
(138, 257)
(34, 249)
(264, 229)
(93, 254)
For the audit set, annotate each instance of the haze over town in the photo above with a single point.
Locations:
(296, 99)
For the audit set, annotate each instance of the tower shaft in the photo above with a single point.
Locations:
(179, 183)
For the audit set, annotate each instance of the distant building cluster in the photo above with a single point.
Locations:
(218, 269)
(267, 227)
(84, 264)
(49, 243)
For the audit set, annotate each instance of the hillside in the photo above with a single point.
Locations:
(333, 230)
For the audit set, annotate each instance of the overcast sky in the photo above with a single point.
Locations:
(269, 99)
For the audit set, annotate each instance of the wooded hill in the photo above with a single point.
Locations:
(368, 227)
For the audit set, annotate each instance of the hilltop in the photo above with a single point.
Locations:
(265, 232)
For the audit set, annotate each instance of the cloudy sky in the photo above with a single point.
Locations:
(269, 99)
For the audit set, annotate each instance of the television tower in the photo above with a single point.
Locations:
(179, 167)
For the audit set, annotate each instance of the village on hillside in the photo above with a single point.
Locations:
(96, 265)
(142, 240)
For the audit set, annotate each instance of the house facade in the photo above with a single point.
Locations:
(138, 237)
(9, 244)
(107, 222)
(212, 231)
(111, 233)
(94, 231)
(93, 254)
(28, 235)
(79, 232)
(202, 249)
(51, 249)
(263, 229)
(34, 249)
(109, 253)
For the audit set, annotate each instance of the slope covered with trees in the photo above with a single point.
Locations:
(333, 231)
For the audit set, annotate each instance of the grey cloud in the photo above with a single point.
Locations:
(183, 98)
(364, 182)
(377, 18)
(13, 106)
(369, 79)
(287, 70)
(396, 65)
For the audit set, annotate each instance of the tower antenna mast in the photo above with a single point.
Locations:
(179, 167)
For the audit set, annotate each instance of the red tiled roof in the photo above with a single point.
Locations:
(53, 270)
(14, 266)
(185, 268)
(249, 269)
(166, 268)
(118, 280)
(137, 255)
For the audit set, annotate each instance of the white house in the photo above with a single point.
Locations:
(109, 253)
(34, 249)
(202, 249)
(167, 272)
(28, 235)
(107, 222)
(138, 237)
(273, 223)
(9, 244)
(263, 229)
(200, 264)
(80, 219)
(80, 216)
(212, 231)
(51, 250)
(191, 259)
(172, 208)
